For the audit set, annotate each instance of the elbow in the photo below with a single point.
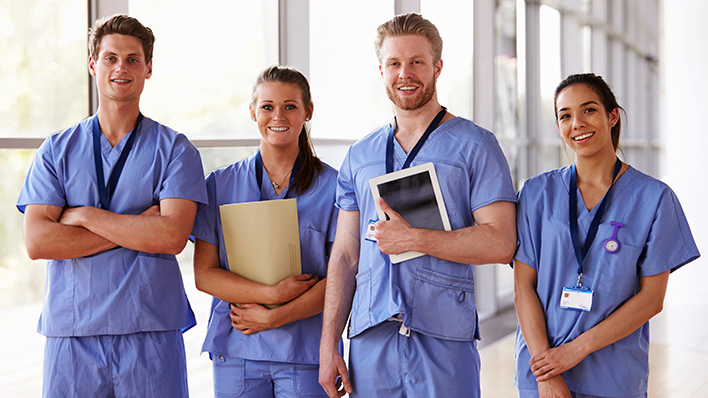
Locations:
(35, 250)
(169, 245)
(200, 283)
(657, 307)
(505, 251)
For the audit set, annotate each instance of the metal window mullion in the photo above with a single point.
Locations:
(294, 34)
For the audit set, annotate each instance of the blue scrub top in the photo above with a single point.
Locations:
(655, 238)
(433, 296)
(118, 291)
(296, 342)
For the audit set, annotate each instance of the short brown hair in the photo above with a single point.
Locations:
(410, 24)
(122, 25)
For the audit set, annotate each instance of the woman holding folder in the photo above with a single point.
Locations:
(597, 241)
(257, 351)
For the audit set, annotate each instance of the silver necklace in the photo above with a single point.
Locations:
(276, 185)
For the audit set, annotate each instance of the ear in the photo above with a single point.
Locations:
(311, 110)
(614, 117)
(149, 70)
(381, 70)
(252, 112)
(92, 66)
(438, 68)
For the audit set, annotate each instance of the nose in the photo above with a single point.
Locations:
(405, 72)
(278, 114)
(121, 66)
(578, 122)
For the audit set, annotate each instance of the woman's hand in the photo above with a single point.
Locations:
(252, 318)
(554, 387)
(292, 287)
(554, 361)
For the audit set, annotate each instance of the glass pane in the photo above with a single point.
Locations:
(205, 61)
(21, 288)
(347, 90)
(43, 73)
(550, 71)
(455, 86)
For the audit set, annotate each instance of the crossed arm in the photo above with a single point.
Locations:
(302, 296)
(56, 233)
(548, 363)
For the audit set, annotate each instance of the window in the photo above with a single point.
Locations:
(205, 62)
(347, 90)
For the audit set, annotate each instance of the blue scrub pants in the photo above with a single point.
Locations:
(148, 364)
(236, 377)
(534, 394)
(385, 363)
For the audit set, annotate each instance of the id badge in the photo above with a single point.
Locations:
(576, 298)
(370, 229)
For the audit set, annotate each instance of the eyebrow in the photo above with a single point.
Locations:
(581, 105)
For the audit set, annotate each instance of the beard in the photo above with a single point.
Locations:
(413, 102)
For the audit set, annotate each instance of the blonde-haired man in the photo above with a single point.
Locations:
(414, 325)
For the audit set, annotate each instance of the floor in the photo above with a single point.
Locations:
(678, 354)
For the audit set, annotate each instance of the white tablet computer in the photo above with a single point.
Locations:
(415, 194)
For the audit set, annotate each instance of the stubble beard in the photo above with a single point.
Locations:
(412, 103)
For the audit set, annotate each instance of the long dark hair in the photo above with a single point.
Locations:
(310, 164)
(603, 90)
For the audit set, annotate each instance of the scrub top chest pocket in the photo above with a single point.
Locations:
(615, 272)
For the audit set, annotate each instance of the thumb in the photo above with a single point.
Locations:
(388, 210)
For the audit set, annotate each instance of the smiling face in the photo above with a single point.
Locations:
(120, 68)
(408, 71)
(280, 113)
(583, 122)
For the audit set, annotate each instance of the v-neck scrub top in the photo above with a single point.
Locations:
(432, 296)
(655, 238)
(118, 291)
(295, 342)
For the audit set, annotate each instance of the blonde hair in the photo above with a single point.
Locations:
(409, 24)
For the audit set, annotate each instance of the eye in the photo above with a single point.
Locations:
(133, 60)
(590, 110)
(290, 107)
(110, 59)
(267, 107)
(563, 116)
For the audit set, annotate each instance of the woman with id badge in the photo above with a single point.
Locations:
(256, 351)
(597, 241)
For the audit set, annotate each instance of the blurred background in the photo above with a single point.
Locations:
(502, 61)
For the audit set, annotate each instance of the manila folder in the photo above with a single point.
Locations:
(262, 239)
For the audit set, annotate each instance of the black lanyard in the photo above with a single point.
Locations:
(573, 214)
(259, 174)
(105, 192)
(416, 148)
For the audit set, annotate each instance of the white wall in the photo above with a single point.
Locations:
(685, 122)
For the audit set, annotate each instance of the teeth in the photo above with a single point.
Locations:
(583, 136)
(121, 81)
(279, 128)
(408, 88)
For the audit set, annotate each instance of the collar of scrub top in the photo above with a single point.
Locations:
(259, 174)
(416, 148)
(105, 191)
(573, 215)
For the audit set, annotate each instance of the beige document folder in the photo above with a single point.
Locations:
(262, 239)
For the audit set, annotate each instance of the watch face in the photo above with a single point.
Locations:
(611, 246)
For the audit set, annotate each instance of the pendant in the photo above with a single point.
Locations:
(275, 185)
